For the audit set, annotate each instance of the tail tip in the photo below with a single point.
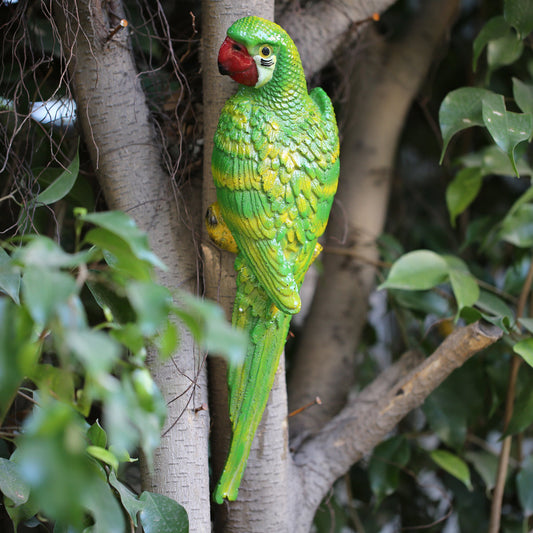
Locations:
(225, 493)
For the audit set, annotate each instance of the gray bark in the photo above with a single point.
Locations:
(125, 152)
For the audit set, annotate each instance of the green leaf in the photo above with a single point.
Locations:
(486, 465)
(495, 28)
(152, 304)
(418, 270)
(62, 185)
(9, 277)
(57, 381)
(465, 288)
(460, 109)
(522, 414)
(11, 482)
(122, 226)
(524, 349)
(446, 415)
(517, 226)
(207, 322)
(96, 351)
(506, 128)
(428, 302)
(527, 323)
(453, 464)
(493, 307)
(52, 460)
(492, 160)
(464, 285)
(519, 14)
(503, 51)
(45, 291)
(43, 252)
(523, 95)
(97, 435)
(111, 302)
(524, 484)
(18, 350)
(118, 254)
(103, 455)
(462, 191)
(384, 467)
(160, 514)
(167, 341)
(128, 499)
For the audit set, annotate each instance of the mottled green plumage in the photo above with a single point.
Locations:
(275, 165)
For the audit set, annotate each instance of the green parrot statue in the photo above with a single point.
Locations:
(275, 164)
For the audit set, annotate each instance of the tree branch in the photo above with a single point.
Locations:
(388, 76)
(323, 27)
(366, 420)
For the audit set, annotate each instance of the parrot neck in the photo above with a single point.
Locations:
(286, 92)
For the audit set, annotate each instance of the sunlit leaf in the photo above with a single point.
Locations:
(459, 110)
(453, 464)
(506, 128)
(418, 270)
(519, 14)
(103, 455)
(524, 349)
(160, 514)
(62, 185)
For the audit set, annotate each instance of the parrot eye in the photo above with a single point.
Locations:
(265, 51)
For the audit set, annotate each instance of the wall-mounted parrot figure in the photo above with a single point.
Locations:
(275, 164)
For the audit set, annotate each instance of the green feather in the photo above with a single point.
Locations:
(275, 165)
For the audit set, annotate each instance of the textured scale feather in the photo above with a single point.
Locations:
(275, 166)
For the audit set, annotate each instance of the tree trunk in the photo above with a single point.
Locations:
(126, 154)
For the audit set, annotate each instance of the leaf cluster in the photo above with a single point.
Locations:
(75, 331)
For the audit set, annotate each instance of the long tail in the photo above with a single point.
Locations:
(250, 383)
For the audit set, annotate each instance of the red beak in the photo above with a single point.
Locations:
(235, 61)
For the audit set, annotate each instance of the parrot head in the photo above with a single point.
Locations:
(251, 50)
